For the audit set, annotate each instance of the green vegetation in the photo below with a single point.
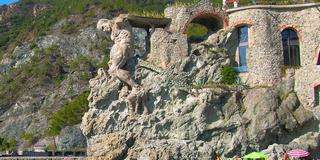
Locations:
(30, 138)
(84, 65)
(229, 75)
(70, 114)
(46, 67)
(40, 70)
(25, 27)
(69, 28)
(196, 31)
(106, 58)
(7, 144)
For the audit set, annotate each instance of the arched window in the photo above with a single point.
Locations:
(291, 49)
(243, 44)
(317, 95)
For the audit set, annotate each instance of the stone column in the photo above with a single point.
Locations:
(148, 40)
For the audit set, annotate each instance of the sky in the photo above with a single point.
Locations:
(2, 2)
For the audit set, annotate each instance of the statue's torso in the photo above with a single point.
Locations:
(122, 49)
(122, 36)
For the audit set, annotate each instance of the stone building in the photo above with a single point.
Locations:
(270, 43)
(282, 42)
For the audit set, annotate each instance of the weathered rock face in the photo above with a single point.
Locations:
(31, 111)
(191, 115)
(71, 137)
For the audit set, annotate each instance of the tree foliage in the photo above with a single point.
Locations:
(28, 137)
(196, 31)
(7, 144)
(70, 114)
(229, 75)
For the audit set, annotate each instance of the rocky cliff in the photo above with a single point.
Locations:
(48, 53)
(49, 49)
(193, 114)
(39, 78)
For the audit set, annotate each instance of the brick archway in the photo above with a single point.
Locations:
(212, 20)
(183, 16)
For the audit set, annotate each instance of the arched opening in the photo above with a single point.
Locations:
(201, 27)
(291, 49)
(317, 95)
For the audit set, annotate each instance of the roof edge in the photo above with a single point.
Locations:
(307, 5)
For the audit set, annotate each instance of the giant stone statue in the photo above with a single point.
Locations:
(121, 52)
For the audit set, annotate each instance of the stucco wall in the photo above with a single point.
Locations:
(265, 58)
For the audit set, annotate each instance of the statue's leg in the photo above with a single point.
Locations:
(118, 58)
(124, 76)
(132, 99)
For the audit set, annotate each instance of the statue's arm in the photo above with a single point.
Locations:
(113, 36)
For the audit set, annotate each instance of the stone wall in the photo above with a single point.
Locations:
(265, 55)
(167, 48)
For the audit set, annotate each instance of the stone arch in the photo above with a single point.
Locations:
(294, 28)
(211, 20)
(183, 16)
(240, 23)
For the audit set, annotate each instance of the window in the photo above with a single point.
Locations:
(317, 95)
(291, 49)
(242, 48)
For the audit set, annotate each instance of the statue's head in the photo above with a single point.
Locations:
(105, 25)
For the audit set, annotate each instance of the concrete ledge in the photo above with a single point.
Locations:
(308, 5)
(148, 22)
